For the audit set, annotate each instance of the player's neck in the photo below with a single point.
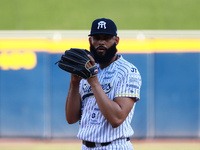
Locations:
(104, 65)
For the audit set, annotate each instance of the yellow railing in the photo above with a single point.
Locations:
(20, 53)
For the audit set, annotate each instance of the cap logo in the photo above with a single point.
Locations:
(102, 25)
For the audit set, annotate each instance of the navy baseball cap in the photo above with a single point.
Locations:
(103, 26)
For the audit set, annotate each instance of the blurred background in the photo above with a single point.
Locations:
(160, 37)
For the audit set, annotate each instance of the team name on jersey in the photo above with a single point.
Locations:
(87, 90)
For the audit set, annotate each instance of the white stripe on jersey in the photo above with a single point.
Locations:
(120, 79)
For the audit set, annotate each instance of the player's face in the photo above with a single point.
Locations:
(103, 47)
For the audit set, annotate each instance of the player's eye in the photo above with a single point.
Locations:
(107, 37)
(96, 37)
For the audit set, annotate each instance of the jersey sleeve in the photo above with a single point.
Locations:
(129, 84)
(81, 87)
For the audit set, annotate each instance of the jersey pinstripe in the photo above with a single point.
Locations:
(119, 79)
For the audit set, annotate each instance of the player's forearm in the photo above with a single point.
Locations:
(73, 104)
(110, 109)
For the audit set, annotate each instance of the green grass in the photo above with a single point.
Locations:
(78, 14)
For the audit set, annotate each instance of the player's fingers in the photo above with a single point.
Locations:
(91, 60)
(88, 65)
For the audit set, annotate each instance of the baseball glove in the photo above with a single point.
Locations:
(75, 61)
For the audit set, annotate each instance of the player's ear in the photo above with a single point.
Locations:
(117, 40)
(90, 39)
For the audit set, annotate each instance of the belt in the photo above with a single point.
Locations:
(93, 144)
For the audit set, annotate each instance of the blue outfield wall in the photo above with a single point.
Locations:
(32, 102)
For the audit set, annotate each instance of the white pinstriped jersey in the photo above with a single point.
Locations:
(119, 79)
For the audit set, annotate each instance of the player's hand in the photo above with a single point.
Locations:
(91, 62)
(75, 78)
(94, 79)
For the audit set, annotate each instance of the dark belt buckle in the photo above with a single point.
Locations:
(89, 144)
(92, 144)
(105, 144)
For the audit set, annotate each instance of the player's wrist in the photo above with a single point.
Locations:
(93, 81)
(74, 83)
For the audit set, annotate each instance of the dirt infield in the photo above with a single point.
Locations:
(75, 144)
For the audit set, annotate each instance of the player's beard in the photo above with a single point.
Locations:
(107, 57)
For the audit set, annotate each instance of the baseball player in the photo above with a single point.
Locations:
(104, 104)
